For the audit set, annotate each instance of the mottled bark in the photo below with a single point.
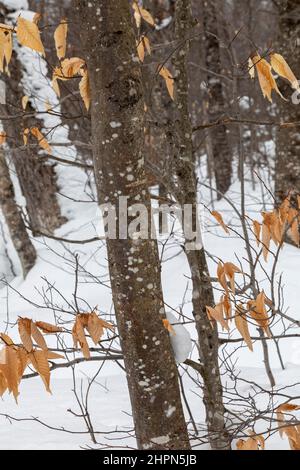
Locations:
(117, 97)
(14, 220)
(202, 288)
(222, 156)
(287, 171)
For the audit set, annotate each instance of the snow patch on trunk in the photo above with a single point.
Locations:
(181, 341)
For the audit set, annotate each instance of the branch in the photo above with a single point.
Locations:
(230, 120)
(76, 361)
(65, 240)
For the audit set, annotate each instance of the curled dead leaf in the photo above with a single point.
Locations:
(140, 13)
(220, 220)
(281, 67)
(265, 77)
(60, 38)
(167, 76)
(48, 328)
(24, 326)
(42, 141)
(84, 88)
(28, 35)
(241, 324)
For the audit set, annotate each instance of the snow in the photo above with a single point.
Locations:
(16, 4)
(181, 340)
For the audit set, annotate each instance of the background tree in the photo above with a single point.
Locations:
(287, 171)
(37, 179)
(14, 220)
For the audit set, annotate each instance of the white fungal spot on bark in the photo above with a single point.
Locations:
(160, 440)
(143, 383)
(196, 294)
(170, 411)
(115, 124)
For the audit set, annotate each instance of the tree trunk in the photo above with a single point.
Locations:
(117, 130)
(187, 194)
(13, 219)
(222, 156)
(79, 127)
(287, 173)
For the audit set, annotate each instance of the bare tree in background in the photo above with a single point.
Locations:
(14, 220)
(186, 193)
(37, 179)
(216, 107)
(287, 174)
(73, 112)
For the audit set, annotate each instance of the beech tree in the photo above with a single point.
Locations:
(117, 132)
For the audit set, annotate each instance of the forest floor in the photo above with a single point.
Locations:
(53, 277)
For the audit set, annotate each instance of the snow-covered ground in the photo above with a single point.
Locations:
(109, 402)
(52, 280)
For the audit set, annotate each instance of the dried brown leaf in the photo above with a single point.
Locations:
(166, 74)
(38, 337)
(43, 143)
(60, 38)
(220, 220)
(242, 326)
(28, 35)
(84, 88)
(48, 328)
(266, 79)
(282, 68)
(24, 326)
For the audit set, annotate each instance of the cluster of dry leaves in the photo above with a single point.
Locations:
(277, 224)
(266, 78)
(255, 310)
(144, 46)
(28, 35)
(292, 431)
(253, 442)
(93, 325)
(274, 227)
(14, 359)
(33, 350)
